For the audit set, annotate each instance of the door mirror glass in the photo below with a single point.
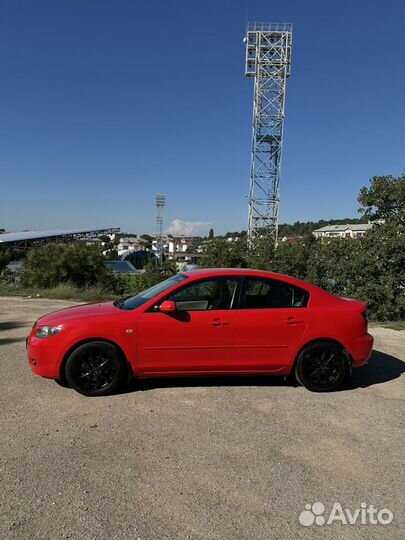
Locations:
(168, 306)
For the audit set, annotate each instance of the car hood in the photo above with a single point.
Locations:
(78, 312)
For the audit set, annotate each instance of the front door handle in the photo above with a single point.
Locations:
(219, 322)
(293, 320)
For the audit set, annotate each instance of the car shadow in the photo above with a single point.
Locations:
(10, 340)
(207, 381)
(11, 325)
(380, 368)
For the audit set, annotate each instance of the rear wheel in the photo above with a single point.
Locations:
(95, 369)
(321, 367)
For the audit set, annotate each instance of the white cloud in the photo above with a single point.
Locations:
(178, 227)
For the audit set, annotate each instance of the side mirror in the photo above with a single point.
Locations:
(168, 306)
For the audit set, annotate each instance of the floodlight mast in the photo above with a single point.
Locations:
(160, 202)
(268, 60)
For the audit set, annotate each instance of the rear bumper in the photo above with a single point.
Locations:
(360, 349)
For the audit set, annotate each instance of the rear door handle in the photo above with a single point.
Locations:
(293, 320)
(219, 322)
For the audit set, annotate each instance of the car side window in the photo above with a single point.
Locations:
(270, 293)
(209, 294)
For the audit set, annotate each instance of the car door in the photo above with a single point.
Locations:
(270, 322)
(197, 337)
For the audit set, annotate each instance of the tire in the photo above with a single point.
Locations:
(321, 367)
(62, 382)
(96, 368)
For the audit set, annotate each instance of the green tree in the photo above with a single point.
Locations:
(260, 253)
(224, 254)
(384, 199)
(292, 259)
(380, 279)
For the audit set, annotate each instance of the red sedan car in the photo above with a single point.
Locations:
(205, 322)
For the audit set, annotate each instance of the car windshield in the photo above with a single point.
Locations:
(133, 302)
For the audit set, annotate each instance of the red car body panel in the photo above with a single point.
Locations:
(210, 341)
(191, 342)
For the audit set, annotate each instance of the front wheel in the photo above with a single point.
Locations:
(95, 369)
(321, 367)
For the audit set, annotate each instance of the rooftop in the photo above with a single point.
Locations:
(345, 227)
(121, 267)
(23, 236)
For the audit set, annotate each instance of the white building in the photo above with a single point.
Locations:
(128, 245)
(173, 245)
(347, 230)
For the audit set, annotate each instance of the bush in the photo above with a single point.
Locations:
(5, 257)
(77, 264)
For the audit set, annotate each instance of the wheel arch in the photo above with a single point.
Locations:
(327, 339)
(90, 340)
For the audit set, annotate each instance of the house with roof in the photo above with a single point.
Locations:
(346, 230)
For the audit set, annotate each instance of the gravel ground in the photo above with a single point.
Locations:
(199, 459)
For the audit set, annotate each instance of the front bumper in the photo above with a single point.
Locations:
(43, 356)
(360, 349)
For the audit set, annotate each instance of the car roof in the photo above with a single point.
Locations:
(220, 271)
(316, 292)
(212, 272)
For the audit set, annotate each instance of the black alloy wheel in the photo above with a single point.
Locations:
(322, 367)
(95, 369)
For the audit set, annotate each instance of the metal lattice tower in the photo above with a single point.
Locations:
(268, 60)
(160, 202)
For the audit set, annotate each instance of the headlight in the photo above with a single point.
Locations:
(47, 331)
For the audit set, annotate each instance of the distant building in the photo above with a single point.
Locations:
(93, 241)
(233, 238)
(347, 230)
(128, 245)
(122, 267)
(181, 244)
(174, 245)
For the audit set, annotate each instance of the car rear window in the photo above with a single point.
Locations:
(268, 293)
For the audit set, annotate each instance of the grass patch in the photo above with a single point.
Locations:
(64, 291)
(394, 325)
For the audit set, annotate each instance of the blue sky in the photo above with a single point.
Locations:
(103, 104)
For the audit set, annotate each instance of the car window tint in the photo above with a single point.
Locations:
(265, 293)
(208, 294)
